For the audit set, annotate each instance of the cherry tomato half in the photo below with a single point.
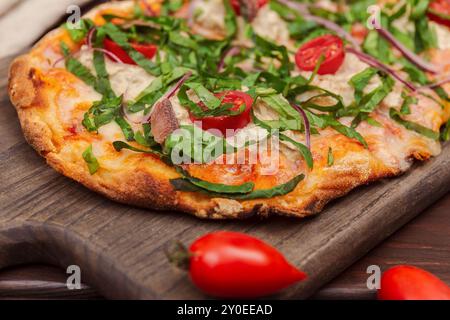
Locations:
(329, 46)
(411, 283)
(235, 265)
(222, 123)
(237, 6)
(439, 11)
(148, 50)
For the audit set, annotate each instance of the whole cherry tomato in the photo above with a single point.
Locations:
(148, 50)
(411, 283)
(234, 265)
(329, 46)
(236, 4)
(235, 122)
(439, 11)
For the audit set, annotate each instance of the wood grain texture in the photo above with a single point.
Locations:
(45, 217)
(424, 242)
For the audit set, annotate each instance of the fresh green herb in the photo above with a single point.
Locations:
(283, 189)
(360, 82)
(91, 160)
(330, 157)
(396, 116)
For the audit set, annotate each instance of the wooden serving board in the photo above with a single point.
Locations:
(45, 217)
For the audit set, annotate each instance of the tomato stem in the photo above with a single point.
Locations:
(178, 255)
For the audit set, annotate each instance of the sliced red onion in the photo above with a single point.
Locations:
(90, 36)
(111, 55)
(178, 85)
(303, 10)
(411, 56)
(233, 51)
(379, 65)
(435, 84)
(307, 125)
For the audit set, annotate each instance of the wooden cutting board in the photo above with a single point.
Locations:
(45, 217)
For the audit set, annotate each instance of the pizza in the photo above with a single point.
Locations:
(230, 109)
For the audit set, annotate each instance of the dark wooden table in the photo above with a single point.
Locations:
(424, 242)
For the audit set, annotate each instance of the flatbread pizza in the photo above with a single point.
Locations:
(229, 109)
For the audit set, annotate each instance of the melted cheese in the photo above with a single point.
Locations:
(443, 36)
(127, 80)
(268, 24)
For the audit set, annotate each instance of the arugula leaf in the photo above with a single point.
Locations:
(126, 128)
(427, 132)
(91, 160)
(330, 157)
(283, 189)
(370, 101)
(407, 102)
(304, 151)
(208, 98)
(445, 135)
(360, 81)
(121, 39)
(217, 187)
(102, 112)
(346, 131)
(120, 145)
(79, 34)
(103, 85)
(77, 68)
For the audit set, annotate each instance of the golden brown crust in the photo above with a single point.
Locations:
(146, 182)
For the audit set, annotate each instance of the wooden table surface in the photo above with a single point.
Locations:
(424, 242)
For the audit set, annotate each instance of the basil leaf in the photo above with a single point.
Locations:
(330, 157)
(120, 145)
(209, 99)
(360, 82)
(91, 160)
(121, 39)
(283, 189)
(79, 34)
(445, 136)
(278, 103)
(103, 85)
(407, 102)
(304, 151)
(217, 187)
(427, 132)
(370, 101)
(126, 128)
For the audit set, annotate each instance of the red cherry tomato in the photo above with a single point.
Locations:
(235, 265)
(148, 50)
(222, 123)
(437, 10)
(237, 6)
(411, 283)
(329, 46)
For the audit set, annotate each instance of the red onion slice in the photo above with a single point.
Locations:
(178, 85)
(408, 54)
(438, 83)
(307, 125)
(233, 51)
(379, 65)
(90, 36)
(110, 55)
(303, 10)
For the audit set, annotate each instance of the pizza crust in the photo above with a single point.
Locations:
(146, 183)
